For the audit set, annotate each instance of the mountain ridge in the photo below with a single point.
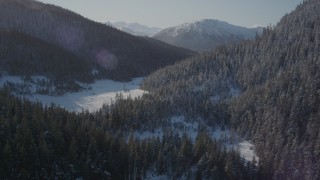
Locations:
(205, 34)
(277, 78)
(135, 28)
(121, 56)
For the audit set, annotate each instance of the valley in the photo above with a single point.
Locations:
(106, 92)
(90, 99)
(206, 99)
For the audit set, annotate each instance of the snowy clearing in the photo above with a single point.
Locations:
(229, 138)
(180, 125)
(101, 92)
(105, 91)
(247, 151)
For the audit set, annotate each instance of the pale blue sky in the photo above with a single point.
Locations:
(166, 13)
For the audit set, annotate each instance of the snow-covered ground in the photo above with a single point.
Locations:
(105, 91)
(181, 126)
(151, 176)
(13, 79)
(102, 92)
(229, 138)
(247, 151)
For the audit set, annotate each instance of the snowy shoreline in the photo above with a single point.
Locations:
(101, 92)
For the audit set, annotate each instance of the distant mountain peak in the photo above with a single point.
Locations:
(135, 28)
(209, 27)
(205, 34)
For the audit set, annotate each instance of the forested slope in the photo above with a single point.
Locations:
(24, 55)
(269, 90)
(121, 56)
(39, 142)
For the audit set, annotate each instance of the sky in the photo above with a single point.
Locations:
(167, 13)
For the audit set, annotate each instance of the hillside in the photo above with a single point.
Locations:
(51, 143)
(205, 35)
(121, 56)
(267, 89)
(22, 55)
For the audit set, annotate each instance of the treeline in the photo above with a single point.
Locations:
(46, 142)
(269, 88)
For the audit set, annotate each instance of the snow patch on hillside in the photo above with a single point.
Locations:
(179, 124)
(247, 151)
(13, 79)
(101, 92)
(152, 176)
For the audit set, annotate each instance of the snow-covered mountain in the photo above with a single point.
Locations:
(205, 34)
(135, 28)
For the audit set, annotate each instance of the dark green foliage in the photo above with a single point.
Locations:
(267, 89)
(278, 79)
(48, 142)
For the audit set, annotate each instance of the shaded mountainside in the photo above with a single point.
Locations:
(25, 55)
(270, 89)
(206, 34)
(122, 56)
